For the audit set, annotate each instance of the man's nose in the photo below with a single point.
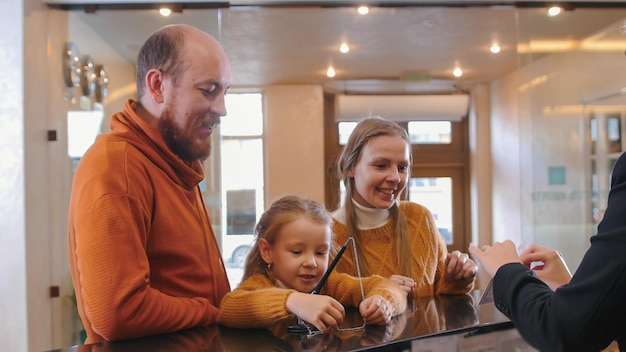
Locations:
(219, 105)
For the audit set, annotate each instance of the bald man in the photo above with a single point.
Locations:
(143, 255)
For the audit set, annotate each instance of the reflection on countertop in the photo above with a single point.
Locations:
(455, 317)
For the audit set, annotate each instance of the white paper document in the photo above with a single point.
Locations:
(487, 296)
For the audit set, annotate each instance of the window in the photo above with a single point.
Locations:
(420, 132)
(606, 144)
(241, 175)
(345, 129)
(430, 132)
(435, 193)
(82, 129)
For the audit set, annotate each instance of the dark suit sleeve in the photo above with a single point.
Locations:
(589, 312)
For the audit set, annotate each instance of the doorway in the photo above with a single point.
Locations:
(442, 191)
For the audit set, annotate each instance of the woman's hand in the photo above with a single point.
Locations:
(324, 312)
(383, 333)
(493, 257)
(406, 283)
(460, 266)
(376, 310)
(550, 268)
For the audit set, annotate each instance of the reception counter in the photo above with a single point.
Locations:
(442, 323)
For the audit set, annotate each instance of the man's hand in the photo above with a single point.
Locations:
(550, 266)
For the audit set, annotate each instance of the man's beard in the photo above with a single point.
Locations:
(180, 143)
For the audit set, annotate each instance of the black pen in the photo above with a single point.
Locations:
(302, 328)
(320, 284)
(487, 329)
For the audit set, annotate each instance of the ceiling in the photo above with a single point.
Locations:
(407, 48)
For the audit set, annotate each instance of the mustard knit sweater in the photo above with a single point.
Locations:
(260, 303)
(427, 246)
(143, 255)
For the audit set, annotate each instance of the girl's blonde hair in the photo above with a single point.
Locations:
(366, 130)
(282, 212)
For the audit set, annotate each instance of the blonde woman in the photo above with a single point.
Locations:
(396, 239)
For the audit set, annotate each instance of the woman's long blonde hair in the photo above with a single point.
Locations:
(366, 130)
(282, 212)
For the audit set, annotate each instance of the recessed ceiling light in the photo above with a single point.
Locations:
(164, 11)
(344, 48)
(554, 10)
(494, 48)
(457, 72)
(330, 72)
(363, 10)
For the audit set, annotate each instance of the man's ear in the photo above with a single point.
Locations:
(154, 85)
(265, 250)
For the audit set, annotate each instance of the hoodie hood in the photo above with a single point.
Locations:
(129, 127)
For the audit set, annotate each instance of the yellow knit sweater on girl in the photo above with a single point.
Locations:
(259, 302)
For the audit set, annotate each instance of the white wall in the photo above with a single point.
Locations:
(13, 299)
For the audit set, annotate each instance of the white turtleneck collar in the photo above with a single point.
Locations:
(367, 218)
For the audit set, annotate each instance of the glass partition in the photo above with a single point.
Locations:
(554, 126)
(570, 118)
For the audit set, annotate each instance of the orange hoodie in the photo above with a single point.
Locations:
(143, 255)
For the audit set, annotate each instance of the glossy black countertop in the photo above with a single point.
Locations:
(453, 320)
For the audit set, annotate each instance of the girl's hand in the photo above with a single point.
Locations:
(324, 312)
(460, 266)
(376, 310)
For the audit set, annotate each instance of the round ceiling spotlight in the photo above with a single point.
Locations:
(553, 11)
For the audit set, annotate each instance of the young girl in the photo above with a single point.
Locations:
(291, 255)
(397, 239)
